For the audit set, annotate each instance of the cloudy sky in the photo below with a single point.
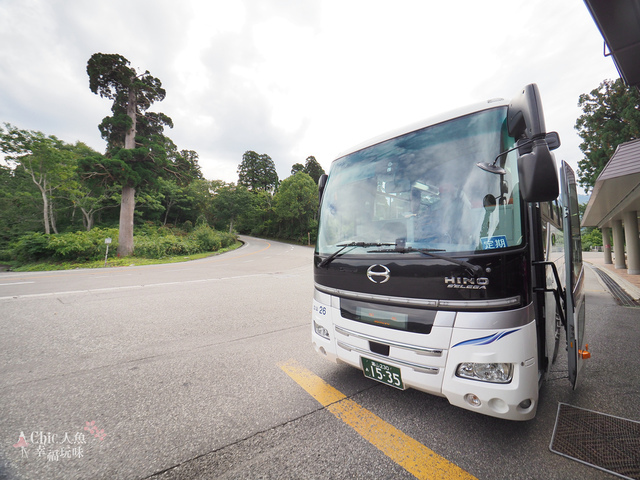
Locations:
(294, 78)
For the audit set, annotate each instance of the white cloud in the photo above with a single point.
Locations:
(290, 78)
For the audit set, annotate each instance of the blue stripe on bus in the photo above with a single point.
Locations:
(486, 340)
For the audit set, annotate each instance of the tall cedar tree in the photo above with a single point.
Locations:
(611, 117)
(257, 172)
(136, 146)
(313, 168)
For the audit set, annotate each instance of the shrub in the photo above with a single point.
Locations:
(165, 230)
(148, 242)
(164, 246)
(32, 247)
(82, 245)
(207, 239)
(70, 246)
(226, 239)
(153, 246)
(6, 254)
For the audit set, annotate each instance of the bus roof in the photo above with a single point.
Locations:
(443, 117)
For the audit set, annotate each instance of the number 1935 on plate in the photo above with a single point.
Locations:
(382, 372)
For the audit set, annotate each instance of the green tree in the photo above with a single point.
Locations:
(19, 204)
(257, 172)
(172, 194)
(187, 167)
(229, 202)
(297, 167)
(202, 192)
(312, 168)
(149, 204)
(180, 171)
(86, 194)
(295, 204)
(135, 141)
(179, 202)
(611, 117)
(259, 218)
(49, 163)
(592, 237)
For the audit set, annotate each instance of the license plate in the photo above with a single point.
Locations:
(382, 373)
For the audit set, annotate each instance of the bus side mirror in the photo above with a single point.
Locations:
(537, 174)
(537, 171)
(525, 115)
(322, 182)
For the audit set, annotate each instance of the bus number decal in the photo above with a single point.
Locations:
(322, 310)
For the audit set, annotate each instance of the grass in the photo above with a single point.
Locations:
(112, 262)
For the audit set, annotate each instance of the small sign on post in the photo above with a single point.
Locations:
(107, 241)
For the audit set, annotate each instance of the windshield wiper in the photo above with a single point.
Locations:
(343, 246)
(474, 269)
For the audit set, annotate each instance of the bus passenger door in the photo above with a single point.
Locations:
(574, 275)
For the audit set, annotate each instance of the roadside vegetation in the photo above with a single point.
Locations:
(37, 251)
(60, 201)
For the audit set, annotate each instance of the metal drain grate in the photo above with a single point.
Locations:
(602, 441)
(622, 297)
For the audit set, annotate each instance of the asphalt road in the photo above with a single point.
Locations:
(179, 367)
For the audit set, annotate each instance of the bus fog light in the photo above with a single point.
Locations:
(486, 372)
(320, 330)
(472, 400)
(525, 404)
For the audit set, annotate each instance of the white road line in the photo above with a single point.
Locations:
(15, 283)
(127, 287)
(113, 276)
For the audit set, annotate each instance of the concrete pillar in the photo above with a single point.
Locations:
(618, 244)
(633, 244)
(606, 241)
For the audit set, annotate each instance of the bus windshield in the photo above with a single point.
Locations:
(423, 190)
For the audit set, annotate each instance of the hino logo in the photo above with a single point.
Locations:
(479, 283)
(378, 273)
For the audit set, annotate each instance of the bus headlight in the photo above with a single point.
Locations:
(486, 372)
(320, 330)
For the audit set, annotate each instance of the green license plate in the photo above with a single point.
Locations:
(382, 373)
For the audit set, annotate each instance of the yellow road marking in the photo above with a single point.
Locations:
(217, 258)
(410, 454)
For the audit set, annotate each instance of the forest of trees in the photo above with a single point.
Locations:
(610, 116)
(50, 188)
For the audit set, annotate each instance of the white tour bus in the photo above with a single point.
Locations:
(448, 258)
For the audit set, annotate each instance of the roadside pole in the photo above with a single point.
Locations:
(107, 241)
